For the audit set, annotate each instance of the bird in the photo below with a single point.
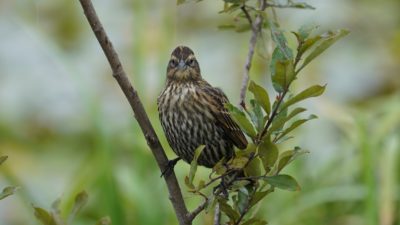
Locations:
(192, 113)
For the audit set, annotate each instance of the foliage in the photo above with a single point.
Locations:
(242, 182)
(53, 216)
(7, 191)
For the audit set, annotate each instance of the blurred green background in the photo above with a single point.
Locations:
(66, 126)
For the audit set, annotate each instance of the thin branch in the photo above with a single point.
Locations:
(217, 215)
(248, 17)
(190, 216)
(273, 114)
(256, 29)
(153, 142)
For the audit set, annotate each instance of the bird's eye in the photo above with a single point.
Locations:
(173, 62)
(190, 62)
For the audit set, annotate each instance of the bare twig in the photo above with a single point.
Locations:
(256, 29)
(273, 114)
(119, 74)
(190, 216)
(217, 215)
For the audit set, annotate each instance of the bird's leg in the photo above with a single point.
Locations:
(170, 166)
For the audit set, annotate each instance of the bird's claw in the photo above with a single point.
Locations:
(169, 167)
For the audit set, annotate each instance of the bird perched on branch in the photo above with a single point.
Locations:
(192, 113)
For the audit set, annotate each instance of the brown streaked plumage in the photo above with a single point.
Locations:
(192, 113)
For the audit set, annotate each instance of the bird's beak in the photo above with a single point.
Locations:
(181, 65)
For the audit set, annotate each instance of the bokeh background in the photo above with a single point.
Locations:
(66, 126)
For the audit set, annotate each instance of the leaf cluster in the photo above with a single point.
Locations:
(53, 216)
(242, 182)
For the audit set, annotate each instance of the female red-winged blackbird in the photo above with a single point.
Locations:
(192, 113)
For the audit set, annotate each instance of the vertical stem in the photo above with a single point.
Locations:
(217, 215)
(132, 96)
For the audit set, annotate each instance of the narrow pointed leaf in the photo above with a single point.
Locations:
(193, 164)
(312, 91)
(44, 216)
(327, 40)
(288, 156)
(307, 44)
(253, 168)
(268, 153)
(258, 196)
(295, 125)
(280, 40)
(7, 191)
(284, 182)
(261, 96)
(80, 200)
(228, 210)
(238, 162)
(305, 31)
(283, 75)
(256, 115)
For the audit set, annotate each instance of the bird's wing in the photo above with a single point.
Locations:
(218, 99)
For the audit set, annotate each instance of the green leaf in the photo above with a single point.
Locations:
(255, 221)
(280, 40)
(312, 91)
(179, 2)
(295, 112)
(226, 27)
(220, 167)
(282, 75)
(295, 125)
(236, 185)
(238, 162)
(258, 196)
(229, 8)
(261, 96)
(193, 164)
(278, 122)
(80, 200)
(256, 114)
(188, 184)
(268, 153)
(43, 216)
(284, 182)
(228, 210)
(212, 201)
(233, 1)
(307, 44)
(288, 156)
(302, 5)
(243, 196)
(253, 168)
(305, 31)
(327, 40)
(3, 159)
(7, 191)
(240, 118)
(104, 221)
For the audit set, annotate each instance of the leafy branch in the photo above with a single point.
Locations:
(242, 182)
(53, 216)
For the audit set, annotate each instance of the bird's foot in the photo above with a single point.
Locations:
(170, 167)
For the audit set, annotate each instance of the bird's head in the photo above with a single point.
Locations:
(183, 65)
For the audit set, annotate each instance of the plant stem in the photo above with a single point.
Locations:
(140, 114)
(256, 29)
